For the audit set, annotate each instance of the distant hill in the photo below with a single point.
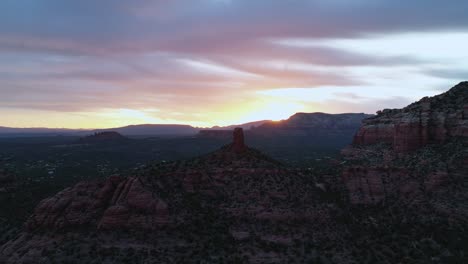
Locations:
(133, 130)
(154, 130)
(318, 121)
(27, 132)
(296, 136)
(103, 137)
(243, 126)
(312, 124)
(12, 130)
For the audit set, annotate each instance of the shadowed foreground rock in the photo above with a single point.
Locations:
(115, 203)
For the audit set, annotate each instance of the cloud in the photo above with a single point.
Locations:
(142, 26)
(364, 105)
(203, 57)
(454, 74)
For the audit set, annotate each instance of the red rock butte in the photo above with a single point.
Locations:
(432, 120)
(424, 148)
(238, 144)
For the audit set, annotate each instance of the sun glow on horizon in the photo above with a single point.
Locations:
(265, 108)
(274, 110)
(221, 62)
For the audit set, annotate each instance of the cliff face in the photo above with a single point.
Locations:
(409, 152)
(431, 120)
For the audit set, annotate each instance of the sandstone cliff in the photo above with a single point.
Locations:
(409, 152)
(430, 120)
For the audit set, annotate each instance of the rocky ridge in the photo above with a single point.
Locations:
(409, 151)
(312, 124)
(432, 120)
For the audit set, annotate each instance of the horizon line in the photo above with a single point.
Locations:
(180, 124)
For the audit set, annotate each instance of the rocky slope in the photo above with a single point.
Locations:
(430, 120)
(410, 151)
(233, 200)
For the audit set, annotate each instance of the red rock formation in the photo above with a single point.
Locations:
(102, 137)
(238, 144)
(431, 120)
(136, 203)
(380, 172)
(115, 203)
(369, 185)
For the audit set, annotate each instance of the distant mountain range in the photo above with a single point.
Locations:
(297, 121)
(318, 121)
(133, 130)
(244, 126)
(103, 137)
(154, 130)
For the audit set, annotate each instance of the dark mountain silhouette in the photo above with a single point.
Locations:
(310, 122)
(15, 132)
(132, 130)
(304, 124)
(154, 130)
(245, 126)
(321, 121)
(103, 137)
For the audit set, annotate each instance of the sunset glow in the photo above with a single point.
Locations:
(102, 64)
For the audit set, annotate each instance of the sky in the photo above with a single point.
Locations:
(110, 63)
